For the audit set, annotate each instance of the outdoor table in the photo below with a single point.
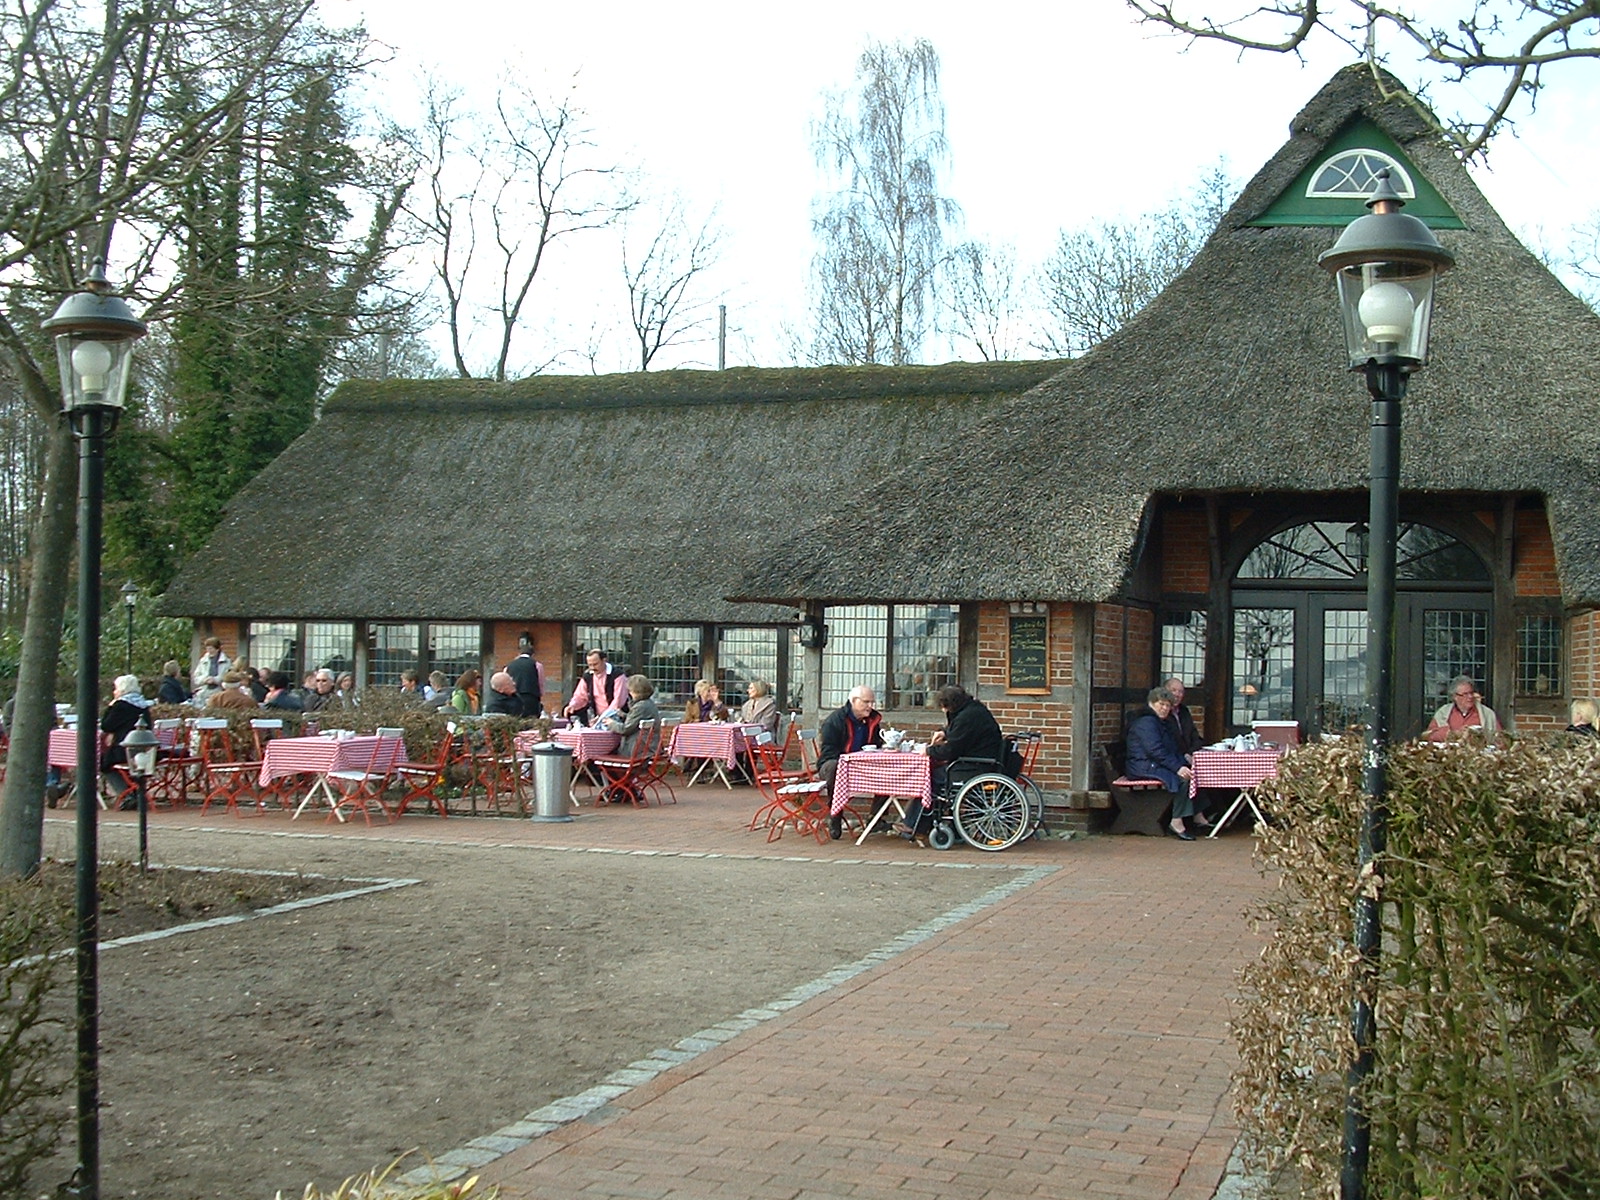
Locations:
(896, 775)
(320, 756)
(1242, 769)
(527, 739)
(717, 744)
(63, 750)
(586, 744)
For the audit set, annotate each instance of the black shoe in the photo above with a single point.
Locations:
(836, 827)
(1183, 835)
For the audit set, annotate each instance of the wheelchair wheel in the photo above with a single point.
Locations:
(1035, 795)
(992, 812)
(941, 836)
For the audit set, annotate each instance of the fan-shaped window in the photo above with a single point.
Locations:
(1337, 550)
(1355, 173)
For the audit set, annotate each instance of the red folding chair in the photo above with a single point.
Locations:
(238, 779)
(423, 780)
(793, 797)
(626, 780)
(364, 786)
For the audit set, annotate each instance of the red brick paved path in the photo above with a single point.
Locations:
(1066, 1040)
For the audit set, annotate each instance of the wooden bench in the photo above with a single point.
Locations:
(1142, 805)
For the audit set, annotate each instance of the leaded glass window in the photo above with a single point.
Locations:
(1355, 173)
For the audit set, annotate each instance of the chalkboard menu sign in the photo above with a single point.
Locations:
(1028, 654)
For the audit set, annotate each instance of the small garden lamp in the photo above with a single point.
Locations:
(1385, 264)
(140, 745)
(130, 598)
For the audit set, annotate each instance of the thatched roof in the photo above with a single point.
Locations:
(622, 497)
(1233, 380)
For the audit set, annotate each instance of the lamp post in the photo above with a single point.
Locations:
(1385, 264)
(140, 746)
(130, 597)
(94, 333)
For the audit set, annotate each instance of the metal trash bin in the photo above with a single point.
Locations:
(552, 768)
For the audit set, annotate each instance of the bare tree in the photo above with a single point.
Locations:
(1511, 41)
(659, 266)
(528, 178)
(107, 113)
(1098, 278)
(981, 299)
(881, 237)
(1584, 261)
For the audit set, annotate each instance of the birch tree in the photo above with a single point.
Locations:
(880, 235)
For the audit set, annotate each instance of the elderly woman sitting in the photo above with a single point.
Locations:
(641, 708)
(761, 708)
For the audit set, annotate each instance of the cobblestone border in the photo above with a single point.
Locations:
(483, 1150)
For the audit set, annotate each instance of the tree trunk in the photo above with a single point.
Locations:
(22, 802)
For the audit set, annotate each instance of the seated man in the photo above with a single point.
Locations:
(502, 699)
(970, 731)
(847, 730)
(1465, 711)
(1153, 754)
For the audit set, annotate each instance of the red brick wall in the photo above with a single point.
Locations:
(1185, 551)
(503, 637)
(1050, 714)
(1533, 567)
(1583, 655)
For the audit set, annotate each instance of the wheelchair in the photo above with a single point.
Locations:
(983, 806)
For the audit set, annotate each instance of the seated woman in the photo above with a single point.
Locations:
(127, 709)
(761, 708)
(465, 698)
(699, 706)
(1585, 718)
(641, 708)
(1153, 754)
(172, 689)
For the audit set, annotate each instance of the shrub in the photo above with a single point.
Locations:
(1487, 1080)
(31, 1119)
(379, 1185)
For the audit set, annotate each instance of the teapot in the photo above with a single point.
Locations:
(892, 738)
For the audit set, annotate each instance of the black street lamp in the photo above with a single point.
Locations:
(1385, 264)
(140, 747)
(94, 333)
(130, 597)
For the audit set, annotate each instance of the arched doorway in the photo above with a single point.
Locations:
(1299, 625)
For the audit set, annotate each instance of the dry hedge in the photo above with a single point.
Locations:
(1487, 997)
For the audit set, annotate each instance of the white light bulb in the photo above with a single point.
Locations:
(92, 361)
(1386, 311)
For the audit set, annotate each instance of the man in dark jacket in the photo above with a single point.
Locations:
(529, 675)
(847, 730)
(1189, 739)
(970, 731)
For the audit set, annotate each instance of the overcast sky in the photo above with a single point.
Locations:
(1055, 114)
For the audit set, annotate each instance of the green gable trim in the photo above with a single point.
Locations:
(1294, 207)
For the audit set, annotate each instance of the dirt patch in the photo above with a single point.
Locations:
(314, 1044)
(134, 901)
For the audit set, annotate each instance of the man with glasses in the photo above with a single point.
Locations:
(847, 730)
(321, 692)
(1465, 711)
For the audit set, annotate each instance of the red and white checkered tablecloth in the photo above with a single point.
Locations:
(710, 739)
(1232, 768)
(882, 773)
(588, 744)
(529, 738)
(319, 755)
(63, 750)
